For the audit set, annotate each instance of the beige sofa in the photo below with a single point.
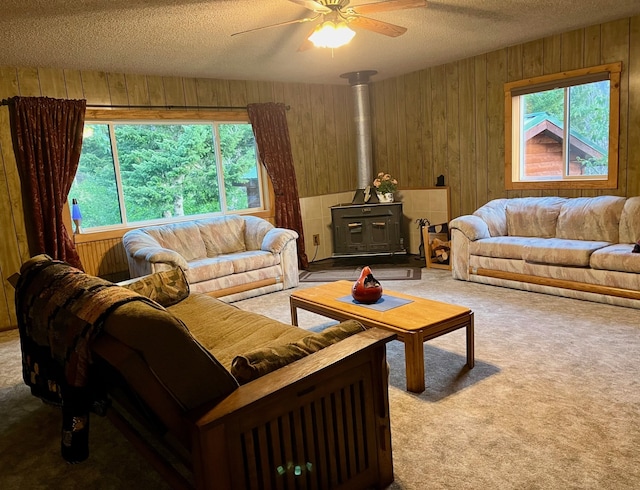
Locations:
(574, 247)
(230, 257)
(244, 401)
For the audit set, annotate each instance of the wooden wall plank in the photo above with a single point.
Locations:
(413, 121)
(118, 89)
(340, 100)
(496, 78)
(378, 111)
(319, 138)
(331, 155)
(173, 91)
(481, 134)
(439, 121)
(426, 129)
(52, 83)
(453, 137)
(467, 111)
(96, 87)
(633, 123)
(73, 84)
(8, 82)
(28, 82)
(191, 98)
(238, 94)
(615, 47)
(391, 164)
(155, 88)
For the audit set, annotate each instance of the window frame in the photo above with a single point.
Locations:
(134, 116)
(557, 80)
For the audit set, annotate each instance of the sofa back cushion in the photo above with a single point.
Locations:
(533, 216)
(494, 214)
(591, 218)
(222, 235)
(254, 231)
(183, 238)
(189, 372)
(630, 221)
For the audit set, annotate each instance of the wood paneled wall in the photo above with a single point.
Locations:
(446, 120)
(449, 119)
(320, 127)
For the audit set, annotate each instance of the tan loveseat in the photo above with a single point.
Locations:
(320, 419)
(231, 257)
(575, 247)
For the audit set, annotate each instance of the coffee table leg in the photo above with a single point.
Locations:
(414, 362)
(294, 314)
(470, 343)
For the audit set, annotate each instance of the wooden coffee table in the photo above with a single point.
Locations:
(414, 322)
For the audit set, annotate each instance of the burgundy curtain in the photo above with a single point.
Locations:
(47, 139)
(270, 128)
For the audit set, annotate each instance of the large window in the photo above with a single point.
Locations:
(134, 172)
(562, 130)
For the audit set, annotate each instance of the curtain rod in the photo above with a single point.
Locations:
(190, 107)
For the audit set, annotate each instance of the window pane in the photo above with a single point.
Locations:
(589, 126)
(94, 186)
(239, 166)
(167, 170)
(543, 126)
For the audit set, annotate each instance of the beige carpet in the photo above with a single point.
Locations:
(553, 402)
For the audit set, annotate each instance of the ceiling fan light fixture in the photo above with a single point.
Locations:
(331, 34)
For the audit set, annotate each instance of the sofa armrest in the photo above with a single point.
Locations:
(473, 227)
(352, 372)
(161, 255)
(276, 239)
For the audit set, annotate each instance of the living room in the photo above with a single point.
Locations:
(446, 119)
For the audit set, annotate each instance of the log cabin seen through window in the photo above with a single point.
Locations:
(561, 131)
(139, 172)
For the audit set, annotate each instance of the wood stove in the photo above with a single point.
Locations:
(367, 229)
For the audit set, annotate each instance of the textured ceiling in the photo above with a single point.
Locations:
(192, 38)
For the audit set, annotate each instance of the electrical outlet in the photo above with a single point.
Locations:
(316, 239)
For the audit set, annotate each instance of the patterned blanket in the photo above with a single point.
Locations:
(60, 311)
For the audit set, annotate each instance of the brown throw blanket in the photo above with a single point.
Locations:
(60, 311)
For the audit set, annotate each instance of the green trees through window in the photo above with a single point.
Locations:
(131, 173)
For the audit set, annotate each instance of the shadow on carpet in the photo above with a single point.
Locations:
(399, 273)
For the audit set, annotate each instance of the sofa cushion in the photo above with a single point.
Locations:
(209, 268)
(630, 221)
(591, 218)
(227, 331)
(261, 361)
(165, 288)
(252, 260)
(190, 372)
(494, 214)
(184, 238)
(533, 216)
(574, 253)
(222, 235)
(503, 247)
(618, 257)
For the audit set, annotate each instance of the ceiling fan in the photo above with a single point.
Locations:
(336, 16)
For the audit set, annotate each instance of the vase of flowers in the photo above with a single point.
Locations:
(385, 186)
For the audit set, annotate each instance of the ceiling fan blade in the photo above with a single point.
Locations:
(312, 5)
(296, 21)
(378, 26)
(372, 8)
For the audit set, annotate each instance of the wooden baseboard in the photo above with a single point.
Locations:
(557, 283)
(245, 287)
